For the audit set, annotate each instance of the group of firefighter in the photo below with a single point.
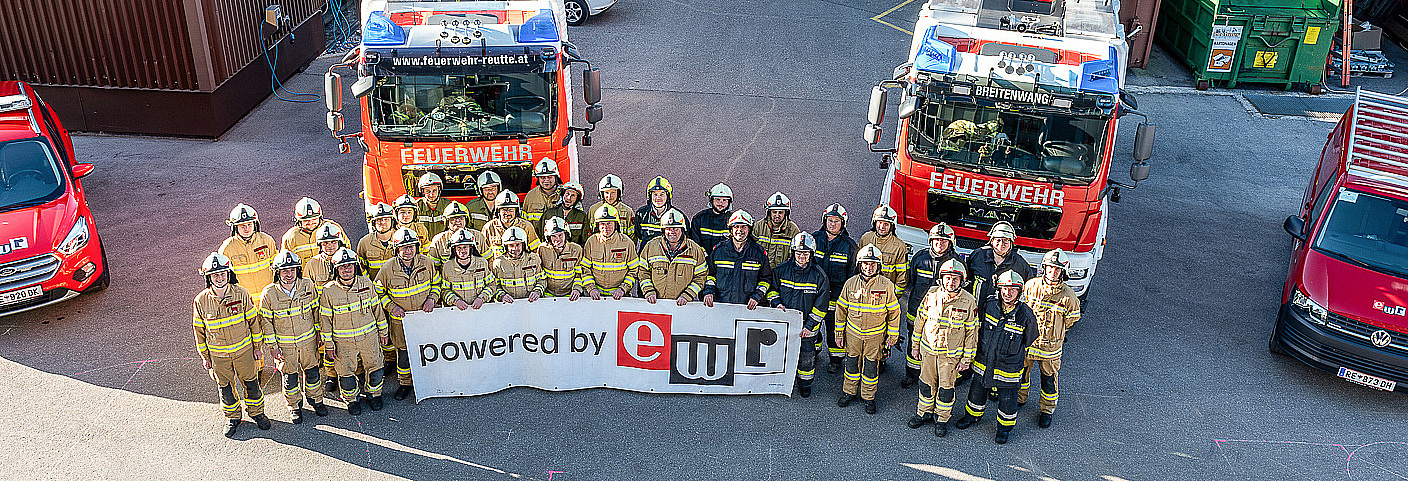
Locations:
(331, 316)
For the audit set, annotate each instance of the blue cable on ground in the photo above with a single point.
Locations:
(275, 84)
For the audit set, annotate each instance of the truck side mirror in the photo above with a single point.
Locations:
(591, 86)
(1144, 142)
(872, 134)
(332, 91)
(1129, 100)
(335, 121)
(878, 95)
(908, 106)
(1139, 171)
(363, 86)
(593, 113)
(1295, 226)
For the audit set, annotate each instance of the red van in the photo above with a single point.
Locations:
(1343, 305)
(49, 247)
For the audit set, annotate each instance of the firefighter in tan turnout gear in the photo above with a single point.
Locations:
(507, 214)
(867, 323)
(289, 311)
(894, 257)
(328, 241)
(945, 339)
(675, 266)
(228, 334)
(249, 249)
(430, 206)
(456, 218)
(406, 216)
(518, 270)
(609, 260)
(354, 329)
(481, 209)
(308, 221)
(609, 191)
(375, 248)
(468, 282)
(547, 194)
(1057, 309)
(776, 229)
(561, 258)
(409, 282)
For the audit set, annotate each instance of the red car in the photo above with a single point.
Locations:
(49, 247)
(1343, 305)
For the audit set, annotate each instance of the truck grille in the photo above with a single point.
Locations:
(1360, 332)
(460, 179)
(27, 272)
(981, 213)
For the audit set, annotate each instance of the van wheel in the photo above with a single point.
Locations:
(576, 12)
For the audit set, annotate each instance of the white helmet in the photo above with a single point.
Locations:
(942, 231)
(779, 201)
(514, 234)
(488, 178)
(328, 232)
(429, 179)
(242, 214)
(803, 242)
(885, 213)
(1009, 278)
(869, 253)
(721, 190)
(215, 263)
(672, 218)
(555, 225)
(307, 208)
(1057, 258)
(836, 210)
(1002, 230)
(545, 167)
(405, 237)
(461, 237)
(610, 181)
(740, 217)
(285, 259)
(404, 202)
(506, 199)
(952, 266)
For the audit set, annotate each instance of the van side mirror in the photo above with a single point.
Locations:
(1144, 142)
(591, 86)
(1129, 100)
(908, 106)
(878, 97)
(81, 170)
(1139, 171)
(332, 91)
(1295, 226)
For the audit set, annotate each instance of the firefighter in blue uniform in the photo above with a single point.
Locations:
(802, 285)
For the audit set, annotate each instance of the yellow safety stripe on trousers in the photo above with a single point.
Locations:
(294, 311)
(867, 307)
(230, 348)
(1043, 354)
(247, 268)
(282, 339)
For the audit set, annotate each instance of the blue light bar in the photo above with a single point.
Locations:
(541, 28)
(936, 56)
(1101, 75)
(380, 30)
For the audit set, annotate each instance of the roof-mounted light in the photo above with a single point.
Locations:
(935, 55)
(380, 30)
(540, 28)
(11, 103)
(1101, 75)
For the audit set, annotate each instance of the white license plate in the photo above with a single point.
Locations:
(1367, 380)
(20, 295)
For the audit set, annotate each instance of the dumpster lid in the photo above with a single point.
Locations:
(1378, 147)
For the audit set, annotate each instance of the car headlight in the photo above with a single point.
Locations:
(1315, 312)
(77, 237)
(1076, 274)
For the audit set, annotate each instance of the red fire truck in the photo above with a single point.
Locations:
(456, 88)
(1344, 307)
(1009, 111)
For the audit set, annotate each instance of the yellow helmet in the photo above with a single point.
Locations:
(658, 183)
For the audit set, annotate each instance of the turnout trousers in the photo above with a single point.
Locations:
(863, 355)
(239, 369)
(1048, 369)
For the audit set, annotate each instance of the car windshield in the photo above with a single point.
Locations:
(1024, 143)
(464, 106)
(29, 174)
(1368, 230)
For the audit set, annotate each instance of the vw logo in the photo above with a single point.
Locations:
(1380, 338)
(8, 271)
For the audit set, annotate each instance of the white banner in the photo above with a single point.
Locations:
(559, 345)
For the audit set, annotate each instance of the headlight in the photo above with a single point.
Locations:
(1076, 274)
(1315, 312)
(77, 237)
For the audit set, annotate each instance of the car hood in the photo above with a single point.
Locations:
(33, 231)
(1363, 294)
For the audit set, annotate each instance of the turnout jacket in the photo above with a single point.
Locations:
(626, 226)
(647, 223)
(439, 250)
(409, 287)
(493, 234)
(983, 269)
(432, 216)
(563, 268)
(735, 277)
(289, 321)
(1003, 338)
(250, 259)
(299, 241)
(577, 229)
(776, 241)
(709, 227)
(519, 277)
(924, 273)
(352, 315)
(669, 274)
(481, 210)
(609, 262)
(894, 257)
(467, 282)
(947, 324)
(1056, 308)
(802, 288)
(225, 326)
(537, 201)
(839, 258)
(868, 307)
(374, 253)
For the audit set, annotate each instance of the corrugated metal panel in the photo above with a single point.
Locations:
(142, 44)
(1144, 16)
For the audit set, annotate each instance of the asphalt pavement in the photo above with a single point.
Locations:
(1167, 376)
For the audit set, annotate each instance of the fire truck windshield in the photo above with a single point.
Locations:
(464, 107)
(1026, 144)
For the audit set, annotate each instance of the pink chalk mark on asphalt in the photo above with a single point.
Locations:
(1343, 447)
(138, 363)
(550, 473)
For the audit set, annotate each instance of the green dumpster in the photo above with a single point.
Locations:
(1281, 42)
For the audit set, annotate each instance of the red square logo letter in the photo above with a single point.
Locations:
(645, 340)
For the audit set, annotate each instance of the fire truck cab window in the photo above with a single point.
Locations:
(1040, 144)
(464, 106)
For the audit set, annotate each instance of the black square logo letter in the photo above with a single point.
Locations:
(763, 346)
(701, 360)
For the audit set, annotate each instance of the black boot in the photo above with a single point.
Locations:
(231, 426)
(330, 386)
(402, 392)
(354, 408)
(320, 409)
(834, 366)
(966, 421)
(376, 402)
(263, 422)
(941, 429)
(296, 414)
(908, 381)
(845, 399)
(916, 420)
(1044, 421)
(804, 391)
(870, 406)
(1002, 435)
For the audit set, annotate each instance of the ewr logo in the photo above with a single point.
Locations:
(702, 360)
(645, 340)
